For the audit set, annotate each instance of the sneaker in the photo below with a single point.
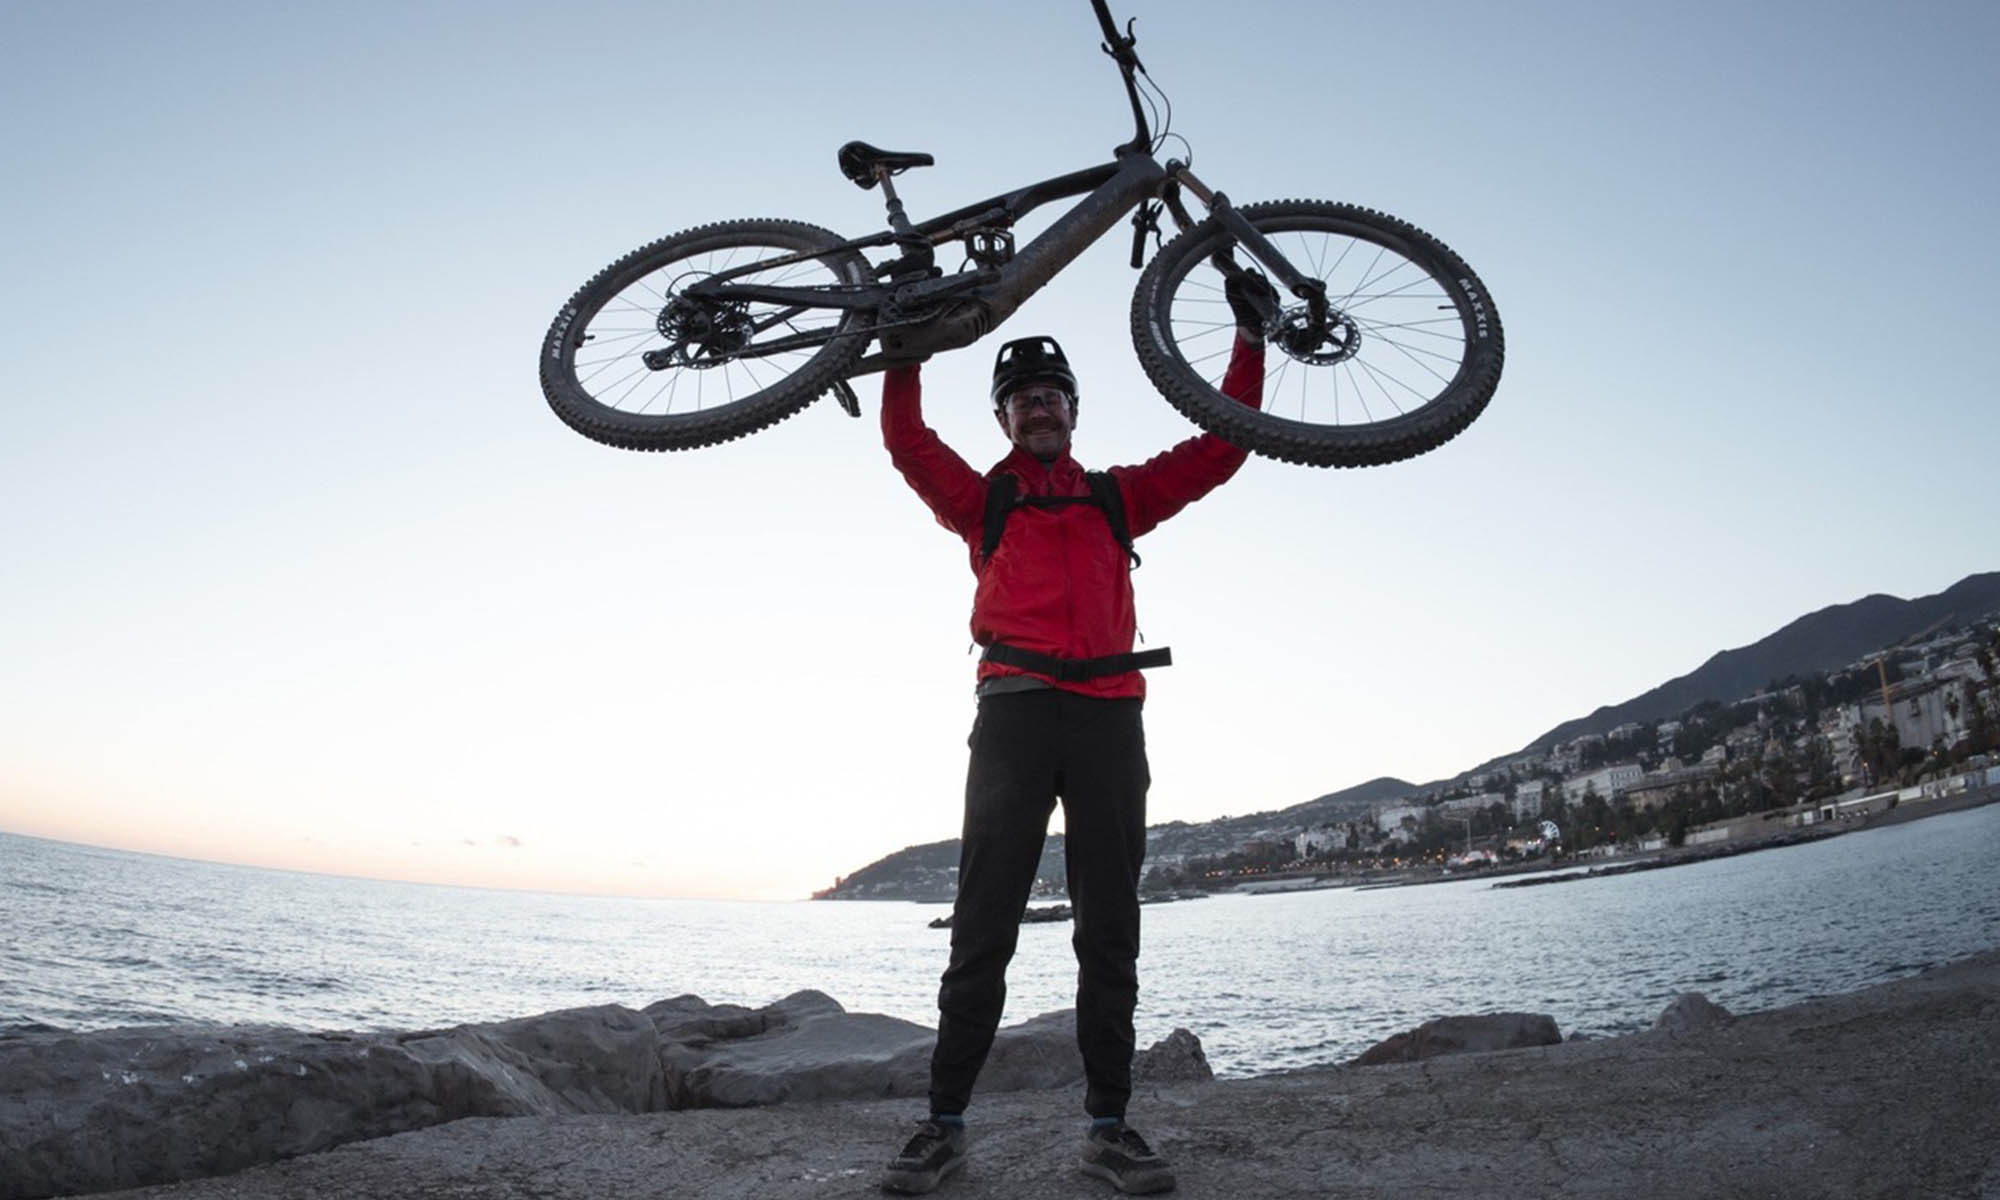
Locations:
(1117, 1153)
(935, 1152)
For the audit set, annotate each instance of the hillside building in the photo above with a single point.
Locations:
(1605, 781)
(1528, 795)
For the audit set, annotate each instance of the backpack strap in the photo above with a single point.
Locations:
(1104, 490)
(1001, 491)
(1003, 497)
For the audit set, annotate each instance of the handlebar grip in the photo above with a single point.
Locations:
(1104, 21)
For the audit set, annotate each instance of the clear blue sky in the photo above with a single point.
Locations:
(299, 570)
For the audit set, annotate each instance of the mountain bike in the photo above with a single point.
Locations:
(1381, 343)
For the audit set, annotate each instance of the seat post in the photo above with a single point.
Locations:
(898, 219)
(917, 255)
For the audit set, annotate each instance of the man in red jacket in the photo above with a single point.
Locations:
(1059, 699)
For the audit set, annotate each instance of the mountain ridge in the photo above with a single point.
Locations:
(1817, 642)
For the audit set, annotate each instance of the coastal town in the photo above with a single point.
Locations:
(1806, 755)
(1910, 723)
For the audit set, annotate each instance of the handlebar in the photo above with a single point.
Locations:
(1104, 22)
(1119, 47)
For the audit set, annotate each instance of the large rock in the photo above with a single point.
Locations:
(580, 1060)
(804, 1047)
(1176, 1058)
(807, 1047)
(89, 1112)
(1041, 1053)
(1689, 1012)
(1464, 1035)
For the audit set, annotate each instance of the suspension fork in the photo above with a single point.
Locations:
(1259, 247)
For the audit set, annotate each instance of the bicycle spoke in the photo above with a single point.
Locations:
(1417, 355)
(1450, 330)
(1361, 396)
(750, 368)
(1362, 299)
(602, 334)
(1382, 379)
(1318, 257)
(1334, 378)
(1277, 378)
(654, 395)
(630, 381)
(1212, 355)
(1367, 277)
(671, 389)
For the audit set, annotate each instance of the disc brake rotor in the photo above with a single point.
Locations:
(1323, 344)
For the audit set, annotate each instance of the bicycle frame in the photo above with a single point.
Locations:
(920, 312)
(974, 302)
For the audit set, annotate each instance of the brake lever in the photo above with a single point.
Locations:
(1145, 219)
(1121, 50)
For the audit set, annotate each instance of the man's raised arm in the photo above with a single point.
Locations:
(1170, 481)
(954, 491)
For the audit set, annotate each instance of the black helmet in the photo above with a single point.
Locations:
(1030, 360)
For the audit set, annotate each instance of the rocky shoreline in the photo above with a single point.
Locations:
(1893, 1091)
(88, 1112)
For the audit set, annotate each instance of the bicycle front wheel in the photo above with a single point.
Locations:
(1408, 354)
(634, 362)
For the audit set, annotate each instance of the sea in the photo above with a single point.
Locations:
(93, 938)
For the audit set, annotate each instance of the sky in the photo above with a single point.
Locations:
(297, 569)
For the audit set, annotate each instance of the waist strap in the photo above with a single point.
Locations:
(1076, 670)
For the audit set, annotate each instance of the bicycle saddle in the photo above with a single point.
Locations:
(858, 161)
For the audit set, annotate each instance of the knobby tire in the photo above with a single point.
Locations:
(1427, 346)
(595, 379)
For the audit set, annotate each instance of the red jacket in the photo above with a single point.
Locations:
(1058, 583)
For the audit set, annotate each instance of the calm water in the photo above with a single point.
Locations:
(95, 938)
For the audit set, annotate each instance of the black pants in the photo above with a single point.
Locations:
(1028, 749)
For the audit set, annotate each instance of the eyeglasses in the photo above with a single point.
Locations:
(1029, 399)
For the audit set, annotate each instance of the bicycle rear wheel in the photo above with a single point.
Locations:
(631, 361)
(1411, 353)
